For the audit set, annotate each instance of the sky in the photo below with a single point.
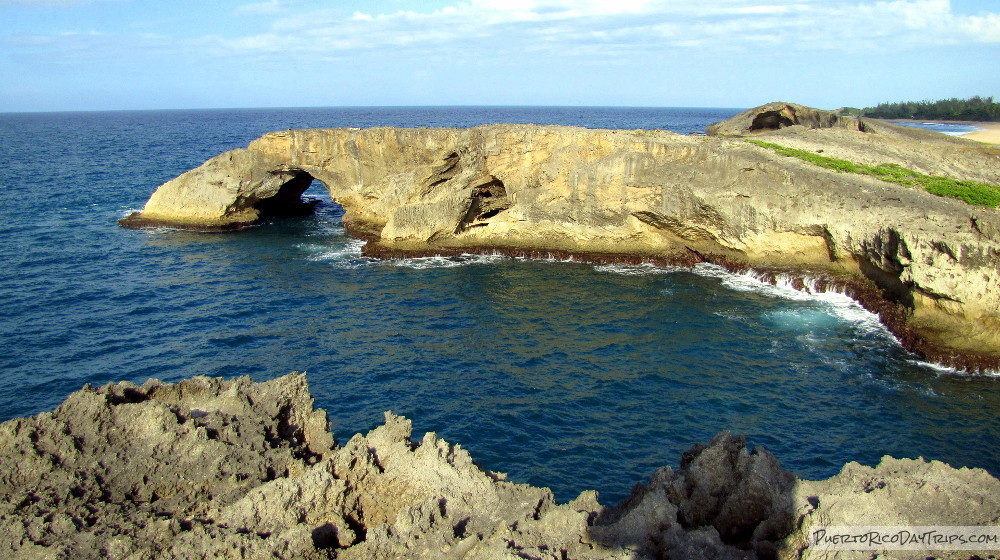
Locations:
(64, 55)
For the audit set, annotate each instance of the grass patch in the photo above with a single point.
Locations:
(978, 194)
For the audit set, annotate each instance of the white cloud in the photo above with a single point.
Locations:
(503, 30)
(749, 10)
(613, 28)
(267, 8)
(985, 28)
(641, 25)
(919, 22)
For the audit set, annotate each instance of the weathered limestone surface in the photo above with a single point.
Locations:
(654, 193)
(779, 114)
(208, 468)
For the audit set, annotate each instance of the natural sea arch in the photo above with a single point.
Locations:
(524, 189)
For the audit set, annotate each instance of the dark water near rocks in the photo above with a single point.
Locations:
(562, 374)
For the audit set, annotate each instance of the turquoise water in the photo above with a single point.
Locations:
(562, 374)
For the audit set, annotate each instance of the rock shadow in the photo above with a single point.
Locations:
(287, 202)
(487, 200)
(723, 502)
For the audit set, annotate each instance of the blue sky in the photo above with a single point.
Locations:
(151, 54)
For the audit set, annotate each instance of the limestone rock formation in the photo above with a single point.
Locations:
(208, 468)
(777, 115)
(650, 194)
(231, 190)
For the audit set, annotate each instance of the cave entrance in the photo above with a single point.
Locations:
(773, 120)
(488, 199)
(288, 202)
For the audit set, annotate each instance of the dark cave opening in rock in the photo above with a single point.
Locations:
(288, 202)
(772, 120)
(487, 200)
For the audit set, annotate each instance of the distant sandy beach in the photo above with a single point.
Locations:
(990, 132)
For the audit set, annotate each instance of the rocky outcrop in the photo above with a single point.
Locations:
(209, 468)
(232, 190)
(650, 194)
(777, 115)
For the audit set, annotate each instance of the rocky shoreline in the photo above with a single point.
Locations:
(210, 468)
(926, 265)
(894, 316)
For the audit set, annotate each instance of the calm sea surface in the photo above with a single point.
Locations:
(949, 128)
(561, 374)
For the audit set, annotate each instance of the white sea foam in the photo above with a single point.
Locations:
(329, 228)
(424, 263)
(730, 315)
(349, 255)
(833, 301)
(941, 369)
(350, 250)
(951, 129)
(644, 269)
(157, 230)
(937, 368)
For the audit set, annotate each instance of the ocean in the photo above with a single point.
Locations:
(949, 128)
(563, 374)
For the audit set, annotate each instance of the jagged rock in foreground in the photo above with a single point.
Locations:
(527, 189)
(208, 468)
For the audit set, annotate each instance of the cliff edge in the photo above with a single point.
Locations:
(926, 264)
(209, 468)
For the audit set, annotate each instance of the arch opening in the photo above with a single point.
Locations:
(288, 202)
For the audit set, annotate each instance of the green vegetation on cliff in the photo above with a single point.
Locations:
(954, 109)
(979, 194)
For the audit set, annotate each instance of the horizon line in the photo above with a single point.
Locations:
(489, 106)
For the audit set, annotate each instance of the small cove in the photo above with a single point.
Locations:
(563, 374)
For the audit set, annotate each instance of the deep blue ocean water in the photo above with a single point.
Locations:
(562, 374)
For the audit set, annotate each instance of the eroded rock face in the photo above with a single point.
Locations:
(653, 194)
(778, 115)
(208, 468)
(229, 191)
(115, 467)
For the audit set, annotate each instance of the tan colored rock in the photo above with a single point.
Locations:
(233, 189)
(139, 470)
(895, 493)
(778, 115)
(648, 193)
(208, 468)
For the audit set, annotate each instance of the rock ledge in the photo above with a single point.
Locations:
(209, 468)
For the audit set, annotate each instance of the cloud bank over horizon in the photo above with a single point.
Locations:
(103, 54)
